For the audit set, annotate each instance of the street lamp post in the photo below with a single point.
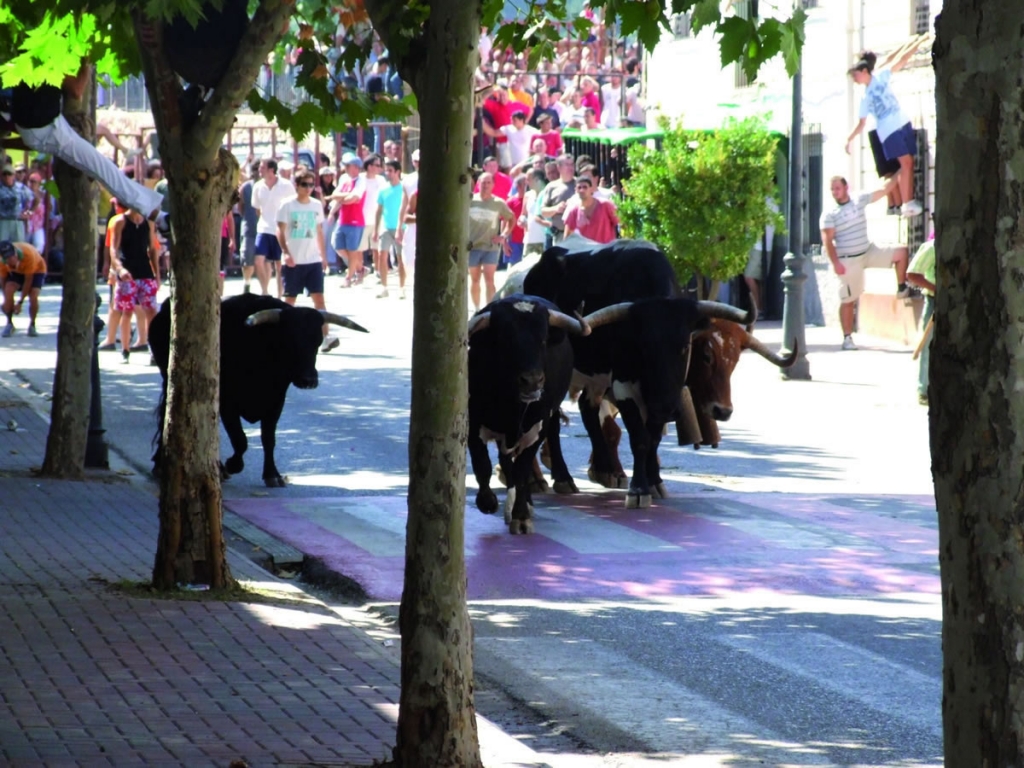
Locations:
(793, 277)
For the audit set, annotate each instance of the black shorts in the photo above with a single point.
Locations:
(301, 277)
(268, 246)
(883, 166)
(19, 279)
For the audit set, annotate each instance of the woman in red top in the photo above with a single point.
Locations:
(518, 234)
(590, 98)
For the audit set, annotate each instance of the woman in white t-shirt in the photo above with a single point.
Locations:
(899, 142)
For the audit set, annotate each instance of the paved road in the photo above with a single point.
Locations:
(781, 608)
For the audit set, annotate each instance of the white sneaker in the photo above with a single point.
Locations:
(401, 293)
(910, 209)
(848, 343)
(383, 294)
(330, 342)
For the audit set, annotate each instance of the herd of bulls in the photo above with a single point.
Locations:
(642, 349)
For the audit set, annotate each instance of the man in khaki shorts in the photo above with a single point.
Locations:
(844, 231)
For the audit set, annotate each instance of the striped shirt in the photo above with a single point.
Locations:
(850, 225)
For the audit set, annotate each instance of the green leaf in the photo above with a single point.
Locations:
(770, 34)
(736, 34)
(645, 19)
(791, 40)
(705, 13)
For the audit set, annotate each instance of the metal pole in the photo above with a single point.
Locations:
(95, 444)
(793, 277)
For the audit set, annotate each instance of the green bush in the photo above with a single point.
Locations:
(702, 196)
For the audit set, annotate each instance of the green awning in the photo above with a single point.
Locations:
(614, 136)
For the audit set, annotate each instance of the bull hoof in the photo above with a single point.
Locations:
(566, 486)
(275, 481)
(605, 479)
(516, 527)
(510, 501)
(638, 500)
(660, 492)
(234, 465)
(539, 485)
(621, 482)
(501, 477)
(486, 501)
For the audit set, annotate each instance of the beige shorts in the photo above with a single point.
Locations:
(852, 281)
(755, 265)
(365, 243)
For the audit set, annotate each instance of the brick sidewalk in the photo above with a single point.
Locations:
(89, 676)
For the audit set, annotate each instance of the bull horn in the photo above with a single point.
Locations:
(479, 322)
(755, 312)
(571, 324)
(775, 358)
(264, 316)
(725, 312)
(344, 322)
(610, 314)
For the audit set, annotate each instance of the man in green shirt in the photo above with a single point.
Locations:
(921, 273)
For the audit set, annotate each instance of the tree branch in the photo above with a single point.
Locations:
(163, 85)
(267, 26)
(411, 63)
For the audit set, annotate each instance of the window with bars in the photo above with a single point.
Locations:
(920, 17)
(681, 29)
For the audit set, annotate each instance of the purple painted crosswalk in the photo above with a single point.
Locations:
(590, 546)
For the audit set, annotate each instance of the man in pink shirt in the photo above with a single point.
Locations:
(594, 219)
(349, 198)
(502, 181)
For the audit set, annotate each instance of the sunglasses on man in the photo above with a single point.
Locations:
(307, 185)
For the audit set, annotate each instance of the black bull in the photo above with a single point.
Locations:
(265, 346)
(639, 360)
(520, 364)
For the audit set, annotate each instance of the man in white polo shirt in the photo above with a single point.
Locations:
(267, 195)
(844, 231)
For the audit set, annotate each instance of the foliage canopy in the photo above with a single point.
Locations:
(702, 196)
(43, 42)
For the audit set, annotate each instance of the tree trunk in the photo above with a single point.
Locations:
(191, 547)
(69, 413)
(436, 720)
(201, 176)
(977, 412)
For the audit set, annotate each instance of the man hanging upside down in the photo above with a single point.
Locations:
(36, 115)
